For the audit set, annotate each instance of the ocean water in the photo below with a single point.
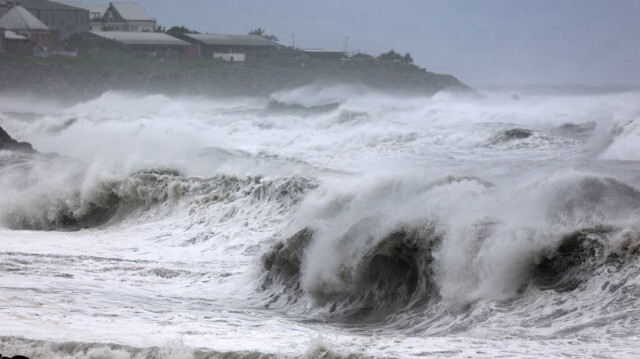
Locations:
(322, 222)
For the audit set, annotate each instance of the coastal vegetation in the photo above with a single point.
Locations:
(177, 30)
(103, 64)
(395, 57)
(260, 32)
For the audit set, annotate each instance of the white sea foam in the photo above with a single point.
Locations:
(192, 192)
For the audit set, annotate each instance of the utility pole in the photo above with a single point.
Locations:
(346, 44)
(293, 41)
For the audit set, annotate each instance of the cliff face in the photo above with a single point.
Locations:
(67, 77)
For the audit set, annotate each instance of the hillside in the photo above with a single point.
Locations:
(98, 70)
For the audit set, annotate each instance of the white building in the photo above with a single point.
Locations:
(127, 16)
(96, 13)
(117, 16)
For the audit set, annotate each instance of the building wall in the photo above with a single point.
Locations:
(164, 52)
(68, 22)
(96, 25)
(129, 26)
(209, 50)
(191, 51)
(3, 46)
(141, 26)
(24, 47)
(229, 56)
(114, 25)
(19, 47)
(112, 21)
(42, 38)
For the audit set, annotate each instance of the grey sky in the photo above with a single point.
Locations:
(482, 42)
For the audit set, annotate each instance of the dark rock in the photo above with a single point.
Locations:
(517, 134)
(512, 134)
(8, 143)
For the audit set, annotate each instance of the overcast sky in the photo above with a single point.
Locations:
(482, 42)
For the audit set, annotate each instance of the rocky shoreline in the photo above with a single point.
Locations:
(60, 79)
(8, 143)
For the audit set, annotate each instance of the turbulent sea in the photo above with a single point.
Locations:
(322, 222)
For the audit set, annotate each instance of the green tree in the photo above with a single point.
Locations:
(390, 56)
(407, 59)
(395, 57)
(176, 30)
(260, 32)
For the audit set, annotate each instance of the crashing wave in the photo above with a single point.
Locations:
(593, 200)
(109, 200)
(399, 273)
(579, 254)
(172, 349)
(277, 107)
(394, 273)
(381, 265)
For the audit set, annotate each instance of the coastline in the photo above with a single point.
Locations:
(99, 71)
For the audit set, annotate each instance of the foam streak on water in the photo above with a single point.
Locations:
(321, 221)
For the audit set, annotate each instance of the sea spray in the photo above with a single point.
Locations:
(399, 226)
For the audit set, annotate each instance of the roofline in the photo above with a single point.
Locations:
(105, 35)
(128, 2)
(321, 50)
(272, 42)
(15, 7)
(58, 5)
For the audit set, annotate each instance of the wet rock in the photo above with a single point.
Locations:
(8, 143)
(517, 134)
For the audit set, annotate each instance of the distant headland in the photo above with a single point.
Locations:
(99, 70)
(106, 49)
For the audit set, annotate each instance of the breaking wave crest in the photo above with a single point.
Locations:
(74, 198)
(391, 275)
(377, 266)
(172, 349)
(578, 255)
(399, 225)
